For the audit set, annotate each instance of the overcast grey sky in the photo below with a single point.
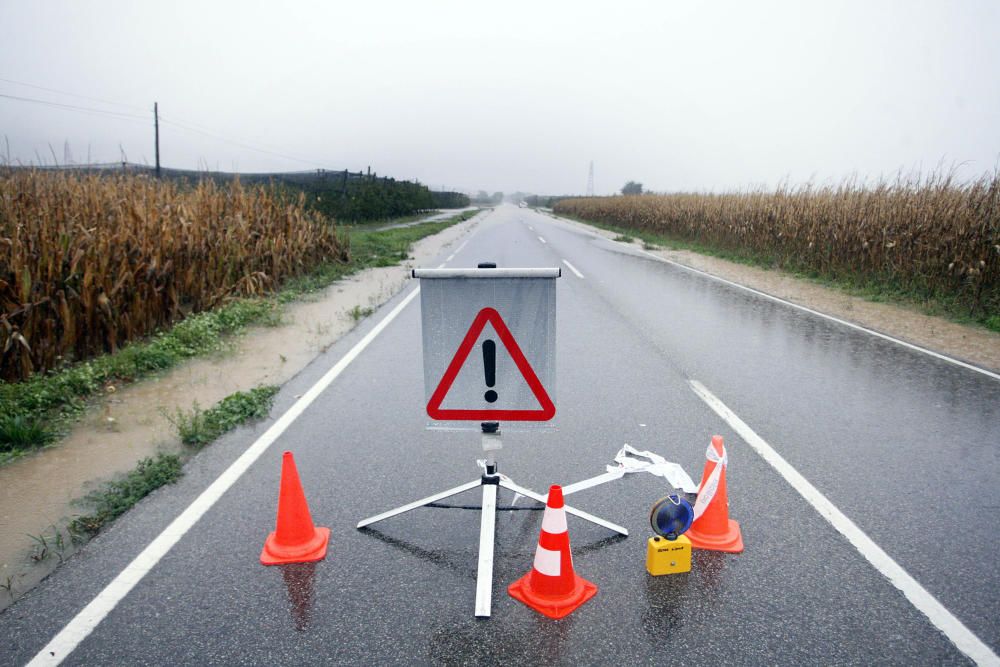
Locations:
(514, 95)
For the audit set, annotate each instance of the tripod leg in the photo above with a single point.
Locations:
(420, 503)
(484, 577)
(517, 488)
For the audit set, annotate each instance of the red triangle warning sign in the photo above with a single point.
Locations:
(545, 412)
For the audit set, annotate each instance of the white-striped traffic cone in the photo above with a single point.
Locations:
(712, 529)
(552, 587)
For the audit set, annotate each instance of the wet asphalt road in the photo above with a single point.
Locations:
(904, 444)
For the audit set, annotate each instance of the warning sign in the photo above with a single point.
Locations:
(546, 409)
(489, 346)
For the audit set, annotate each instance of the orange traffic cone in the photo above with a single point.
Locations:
(552, 587)
(295, 539)
(712, 529)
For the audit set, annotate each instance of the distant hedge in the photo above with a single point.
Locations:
(450, 200)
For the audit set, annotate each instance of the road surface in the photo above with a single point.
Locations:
(901, 445)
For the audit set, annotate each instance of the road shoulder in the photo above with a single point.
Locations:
(971, 344)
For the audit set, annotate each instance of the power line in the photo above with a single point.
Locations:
(65, 92)
(119, 114)
(241, 144)
(73, 107)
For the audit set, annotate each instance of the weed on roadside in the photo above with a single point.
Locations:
(622, 238)
(22, 432)
(198, 427)
(45, 545)
(7, 586)
(117, 496)
(359, 313)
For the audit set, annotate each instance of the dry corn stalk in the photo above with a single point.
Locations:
(90, 262)
(926, 236)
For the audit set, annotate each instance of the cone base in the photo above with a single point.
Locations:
(553, 607)
(730, 541)
(280, 554)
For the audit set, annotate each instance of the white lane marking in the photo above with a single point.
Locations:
(573, 268)
(919, 597)
(450, 257)
(459, 248)
(542, 240)
(531, 228)
(84, 622)
(857, 327)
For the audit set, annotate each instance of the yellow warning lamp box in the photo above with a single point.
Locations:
(665, 556)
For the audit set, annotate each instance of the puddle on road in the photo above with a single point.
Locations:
(36, 492)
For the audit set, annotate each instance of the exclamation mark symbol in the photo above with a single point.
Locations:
(490, 365)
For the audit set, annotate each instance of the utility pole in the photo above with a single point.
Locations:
(590, 180)
(156, 125)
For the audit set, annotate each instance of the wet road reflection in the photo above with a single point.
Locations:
(300, 582)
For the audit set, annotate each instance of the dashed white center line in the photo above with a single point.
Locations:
(542, 240)
(963, 638)
(572, 268)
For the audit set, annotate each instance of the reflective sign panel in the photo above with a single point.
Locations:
(489, 346)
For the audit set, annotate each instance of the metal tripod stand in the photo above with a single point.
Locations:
(490, 481)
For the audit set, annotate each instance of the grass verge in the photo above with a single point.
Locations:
(37, 410)
(940, 306)
(196, 428)
(117, 496)
(199, 427)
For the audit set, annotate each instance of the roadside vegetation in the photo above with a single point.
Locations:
(116, 497)
(89, 263)
(196, 429)
(927, 241)
(344, 195)
(108, 280)
(199, 427)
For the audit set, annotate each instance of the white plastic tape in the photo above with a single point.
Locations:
(707, 492)
(629, 459)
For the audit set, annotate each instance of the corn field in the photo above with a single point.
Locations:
(88, 263)
(929, 238)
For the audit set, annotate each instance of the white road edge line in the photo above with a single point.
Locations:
(459, 248)
(542, 240)
(857, 327)
(919, 597)
(84, 622)
(573, 269)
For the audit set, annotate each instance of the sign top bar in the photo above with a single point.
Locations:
(487, 273)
